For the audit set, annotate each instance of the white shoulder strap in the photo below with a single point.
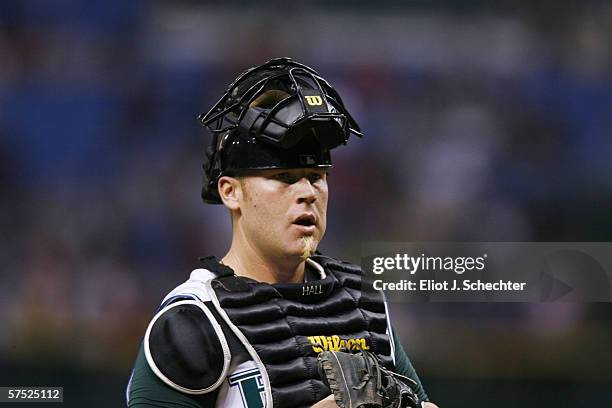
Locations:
(194, 287)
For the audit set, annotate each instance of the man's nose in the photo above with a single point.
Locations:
(306, 191)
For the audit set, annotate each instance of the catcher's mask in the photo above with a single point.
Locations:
(279, 115)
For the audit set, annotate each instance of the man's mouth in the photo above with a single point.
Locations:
(306, 223)
(305, 220)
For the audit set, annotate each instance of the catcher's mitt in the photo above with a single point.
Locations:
(360, 381)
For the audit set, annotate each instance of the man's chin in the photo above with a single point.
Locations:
(309, 246)
(303, 247)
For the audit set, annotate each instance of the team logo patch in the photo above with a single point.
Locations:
(335, 343)
(307, 160)
(251, 387)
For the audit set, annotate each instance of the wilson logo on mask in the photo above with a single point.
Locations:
(313, 100)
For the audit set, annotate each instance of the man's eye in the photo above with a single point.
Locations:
(291, 178)
(285, 178)
(314, 177)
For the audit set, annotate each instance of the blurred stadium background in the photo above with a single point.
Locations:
(483, 122)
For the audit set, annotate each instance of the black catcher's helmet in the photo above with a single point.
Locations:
(278, 115)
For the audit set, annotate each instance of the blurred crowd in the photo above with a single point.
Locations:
(480, 124)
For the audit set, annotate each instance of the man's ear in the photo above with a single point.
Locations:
(230, 191)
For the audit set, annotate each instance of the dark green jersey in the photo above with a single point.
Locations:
(146, 390)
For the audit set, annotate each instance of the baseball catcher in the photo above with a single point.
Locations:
(274, 323)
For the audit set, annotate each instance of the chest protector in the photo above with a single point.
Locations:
(285, 326)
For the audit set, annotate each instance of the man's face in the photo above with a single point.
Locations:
(283, 211)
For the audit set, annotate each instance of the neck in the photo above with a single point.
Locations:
(248, 261)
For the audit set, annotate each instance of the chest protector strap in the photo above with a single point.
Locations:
(285, 326)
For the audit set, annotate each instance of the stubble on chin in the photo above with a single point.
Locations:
(309, 246)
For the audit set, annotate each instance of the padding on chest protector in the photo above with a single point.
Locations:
(186, 348)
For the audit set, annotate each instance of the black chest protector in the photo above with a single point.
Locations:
(287, 325)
